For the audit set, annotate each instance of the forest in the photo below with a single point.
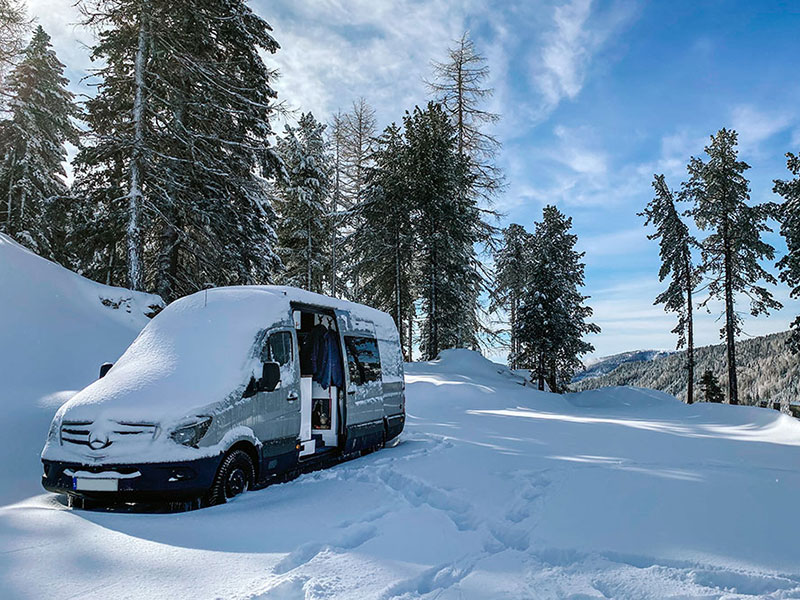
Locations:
(183, 180)
(769, 373)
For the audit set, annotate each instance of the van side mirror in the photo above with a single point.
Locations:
(105, 368)
(270, 376)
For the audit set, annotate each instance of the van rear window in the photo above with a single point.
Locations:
(363, 359)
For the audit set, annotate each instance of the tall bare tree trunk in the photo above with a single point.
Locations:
(134, 231)
(730, 338)
(690, 335)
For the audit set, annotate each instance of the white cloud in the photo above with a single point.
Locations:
(566, 52)
(578, 33)
(333, 52)
(574, 151)
(755, 126)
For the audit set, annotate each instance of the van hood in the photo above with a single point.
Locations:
(197, 352)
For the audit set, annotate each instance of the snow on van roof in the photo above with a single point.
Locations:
(198, 351)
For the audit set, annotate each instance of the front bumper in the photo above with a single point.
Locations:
(147, 482)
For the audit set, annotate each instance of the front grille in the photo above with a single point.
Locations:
(80, 432)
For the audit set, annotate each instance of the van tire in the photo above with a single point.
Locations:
(234, 476)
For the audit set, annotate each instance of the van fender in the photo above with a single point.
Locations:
(236, 435)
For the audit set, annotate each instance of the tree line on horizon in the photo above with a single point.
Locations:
(768, 373)
(181, 183)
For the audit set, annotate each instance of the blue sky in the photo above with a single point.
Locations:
(596, 97)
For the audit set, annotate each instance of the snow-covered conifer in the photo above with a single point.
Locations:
(384, 242)
(303, 205)
(174, 177)
(789, 215)
(552, 313)
(13, 25)
(732, 251)
(33, 152)
(447, 225)
(710, 388)
(511, 278)
(676, 245)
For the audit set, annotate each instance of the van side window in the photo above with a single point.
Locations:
(363, 359)
(279, 348)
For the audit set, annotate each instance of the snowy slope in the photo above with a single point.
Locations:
(55, 331)
(495, 490)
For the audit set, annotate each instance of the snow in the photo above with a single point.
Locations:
(55, 332)
(494, 490)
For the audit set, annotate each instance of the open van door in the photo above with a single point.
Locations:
(364, 387)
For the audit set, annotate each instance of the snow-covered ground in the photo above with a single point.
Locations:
(495, 490)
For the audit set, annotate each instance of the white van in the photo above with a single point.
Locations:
(226, 389)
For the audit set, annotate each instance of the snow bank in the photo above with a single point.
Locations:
(56, 329)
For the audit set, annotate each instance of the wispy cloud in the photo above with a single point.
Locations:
(755, 125)
(578, 32)
(574, 151)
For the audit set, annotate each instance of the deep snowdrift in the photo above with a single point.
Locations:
(495, 490)
(56, 329)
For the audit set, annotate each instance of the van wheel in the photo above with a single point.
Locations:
(234, 476)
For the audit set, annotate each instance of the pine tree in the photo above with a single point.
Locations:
(179, 154)
(384, 244)
(13, 26)
(458, 85)
(31, 166)
(789, 215)
(553, 314)
(304, 205)
(730, 254)
(447, 226)
(511, 261)
(676, 262)
(710, 388)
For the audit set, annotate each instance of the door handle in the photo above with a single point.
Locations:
(292, 396)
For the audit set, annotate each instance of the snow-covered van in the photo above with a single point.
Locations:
(228, 388)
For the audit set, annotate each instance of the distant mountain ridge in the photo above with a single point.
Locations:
(607, 364)
(767, 371)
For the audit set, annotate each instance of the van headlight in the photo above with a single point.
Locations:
(191, 433)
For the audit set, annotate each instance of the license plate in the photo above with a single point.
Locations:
(87, 484)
